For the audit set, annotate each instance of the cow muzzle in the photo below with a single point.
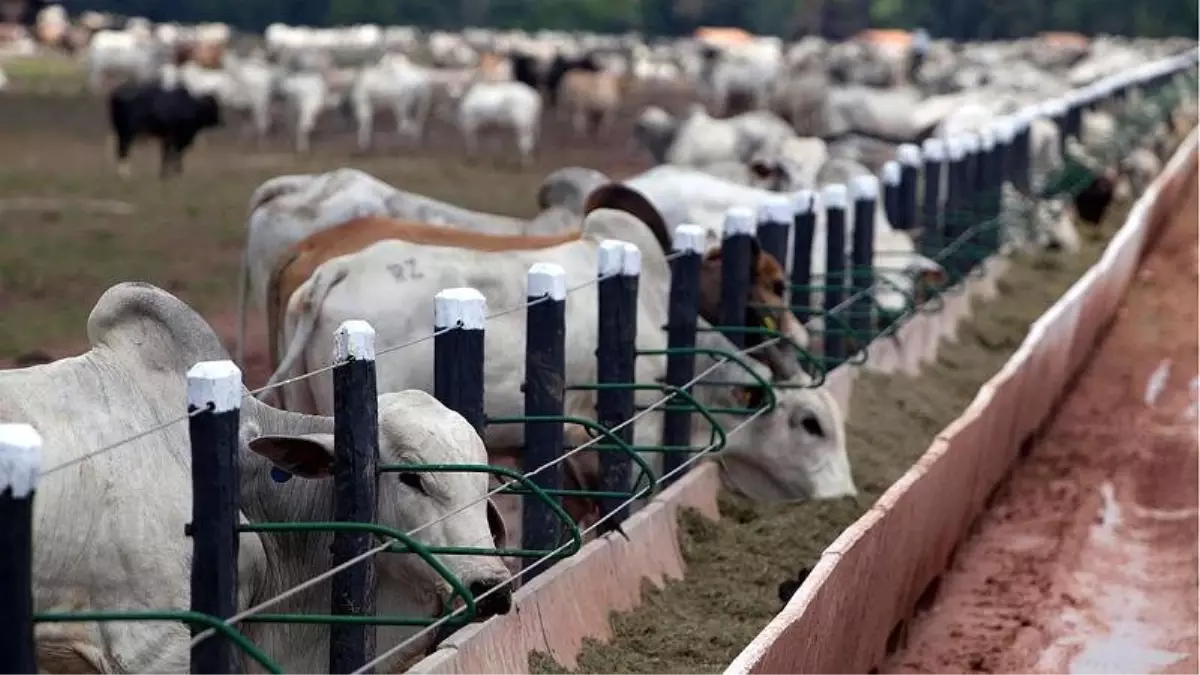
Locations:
(492, 597)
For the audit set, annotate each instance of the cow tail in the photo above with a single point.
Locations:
(305, 304)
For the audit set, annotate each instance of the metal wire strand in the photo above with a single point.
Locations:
(424, 338)
(113, 446)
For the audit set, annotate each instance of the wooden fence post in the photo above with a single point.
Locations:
(20, 466)
(214, 399)
(619, 265)
(356, 458)
(545, 372)
(458, 321)
(682, 313)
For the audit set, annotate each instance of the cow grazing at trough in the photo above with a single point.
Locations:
(165, 110)
(685, 195)
(110, 528)
(300, 262)
(796, 451)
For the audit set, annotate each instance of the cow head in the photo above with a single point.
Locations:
(765, 309)
(444, 509)
(796, 451)
(769, 174)
(1092, 203)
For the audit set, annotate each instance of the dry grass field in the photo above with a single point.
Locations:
(70, 227)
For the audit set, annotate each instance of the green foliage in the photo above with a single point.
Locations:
(960, 19)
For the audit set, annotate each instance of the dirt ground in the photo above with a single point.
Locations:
(1086, 560)
(71, 228)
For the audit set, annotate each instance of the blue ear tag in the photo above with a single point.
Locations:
(279, 475)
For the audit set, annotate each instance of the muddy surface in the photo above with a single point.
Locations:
(735, 565)
(1086, 560)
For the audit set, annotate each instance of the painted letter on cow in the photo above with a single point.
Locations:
(405, 271)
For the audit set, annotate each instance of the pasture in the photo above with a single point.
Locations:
(72, 227)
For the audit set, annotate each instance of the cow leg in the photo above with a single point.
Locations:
(579, 122)
(526, 139)
(403, 125)
(168, 158)
(124, 143)
(364, 115)
(471, 142)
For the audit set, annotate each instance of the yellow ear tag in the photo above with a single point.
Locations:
(769, 323)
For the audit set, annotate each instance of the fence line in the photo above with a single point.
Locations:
(963, 217)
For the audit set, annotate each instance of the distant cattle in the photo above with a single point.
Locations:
(165, 110)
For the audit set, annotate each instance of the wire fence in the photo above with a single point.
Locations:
(725, 367)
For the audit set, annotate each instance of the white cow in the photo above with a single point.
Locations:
(511, 105)
(286, 209)
(698, 139)
(395, 83)
(122, 54)
(688, 195)
(795, 451)
(308, 94)
(110, 528)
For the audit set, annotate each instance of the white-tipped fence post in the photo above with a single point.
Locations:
(737, 263)
(545, 371)
(834, 197)
(214, 400)
(356, 461)
(682, 314)
(987, 192)
(20, 466)
(1020, 154)
(458, 321)
(934, 151)
(953, 216)
(804, 203)
(619, 265)
(890, 177)
(908, 156)
(774, 225)
(865, 190)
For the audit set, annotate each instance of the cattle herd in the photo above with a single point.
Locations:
(774, 130)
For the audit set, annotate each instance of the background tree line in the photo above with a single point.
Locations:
(959, 19)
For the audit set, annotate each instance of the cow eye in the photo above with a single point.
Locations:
(412, 480)
(778, 288)
(752, 397)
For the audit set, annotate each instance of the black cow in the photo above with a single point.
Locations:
(170, 113)
(526, 69)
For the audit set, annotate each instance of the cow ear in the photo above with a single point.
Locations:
(497, 525)
(305, 455)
